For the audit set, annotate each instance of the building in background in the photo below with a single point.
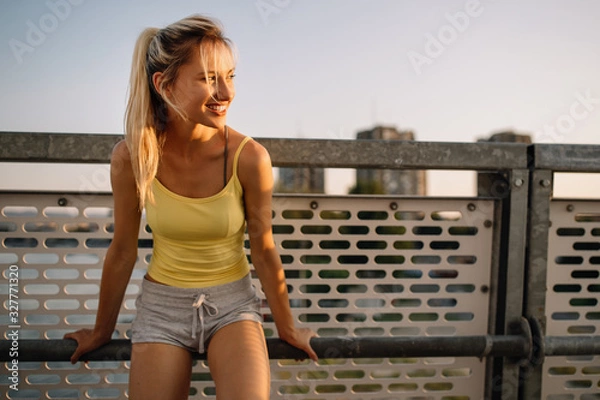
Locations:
(508, 137)
(301, 180)
(389, 181)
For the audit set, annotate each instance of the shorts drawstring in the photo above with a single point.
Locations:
(202, 304)
(164, 313)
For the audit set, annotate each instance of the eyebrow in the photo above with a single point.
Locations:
(202, 73)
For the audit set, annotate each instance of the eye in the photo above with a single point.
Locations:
(210, 79)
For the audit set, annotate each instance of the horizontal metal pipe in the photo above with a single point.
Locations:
(571, 345)
(513, 346)
(326, 347)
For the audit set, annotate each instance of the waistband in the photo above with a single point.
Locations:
(216, 291)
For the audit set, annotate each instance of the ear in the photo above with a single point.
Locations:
(157, 80)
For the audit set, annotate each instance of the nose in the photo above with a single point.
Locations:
(224, 89)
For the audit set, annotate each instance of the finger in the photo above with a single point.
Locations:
(307, 347)
(75, 356)
(311, 353)
(77, 335)
(77, 353)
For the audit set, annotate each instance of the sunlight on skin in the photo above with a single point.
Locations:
(238, 353)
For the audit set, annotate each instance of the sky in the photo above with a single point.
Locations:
(449, 70)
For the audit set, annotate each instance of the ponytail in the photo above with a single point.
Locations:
(141, 134)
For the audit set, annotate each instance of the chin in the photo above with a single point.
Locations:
(217, 124)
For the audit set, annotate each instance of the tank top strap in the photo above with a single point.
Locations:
(237, 154)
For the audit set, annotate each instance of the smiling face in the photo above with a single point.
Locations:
(204, 89)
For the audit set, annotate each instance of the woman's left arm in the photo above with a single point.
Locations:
(256, 176)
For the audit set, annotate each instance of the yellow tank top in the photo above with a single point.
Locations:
(198, 242)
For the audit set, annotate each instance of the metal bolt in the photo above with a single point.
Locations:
(314, 205)
(519, 182)
(62, 202)
(487, 223)
(471, 207)
(570, 207)
(394, 206)
(545, 182)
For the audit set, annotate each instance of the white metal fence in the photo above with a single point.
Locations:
(354, 267)
(572, 298)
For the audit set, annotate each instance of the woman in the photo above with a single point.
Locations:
(202, 184)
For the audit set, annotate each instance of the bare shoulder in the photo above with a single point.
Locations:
(253, 155)
(121, 151)
(254, 165)
(120, 163)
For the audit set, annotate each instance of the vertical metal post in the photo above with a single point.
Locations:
(511, 188)
(537, 261)
(515, 273)
(505, 381)
(494, 184)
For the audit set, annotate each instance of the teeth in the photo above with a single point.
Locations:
(217, 108)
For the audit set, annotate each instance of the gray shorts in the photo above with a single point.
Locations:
(189, 317)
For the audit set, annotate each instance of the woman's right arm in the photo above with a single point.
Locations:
(120, 256)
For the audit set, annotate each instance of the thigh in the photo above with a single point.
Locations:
(159, 371)
(239, 362)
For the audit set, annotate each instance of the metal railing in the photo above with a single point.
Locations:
(395, 281)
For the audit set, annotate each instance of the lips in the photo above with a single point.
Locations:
(217, 108)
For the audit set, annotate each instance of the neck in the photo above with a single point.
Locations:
(187, 141)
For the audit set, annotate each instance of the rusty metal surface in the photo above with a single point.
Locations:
(87, 148)
(567, 157)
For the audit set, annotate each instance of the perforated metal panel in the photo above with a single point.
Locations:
(572, 308)
(354, 266)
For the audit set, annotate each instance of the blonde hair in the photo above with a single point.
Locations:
(164, 50)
